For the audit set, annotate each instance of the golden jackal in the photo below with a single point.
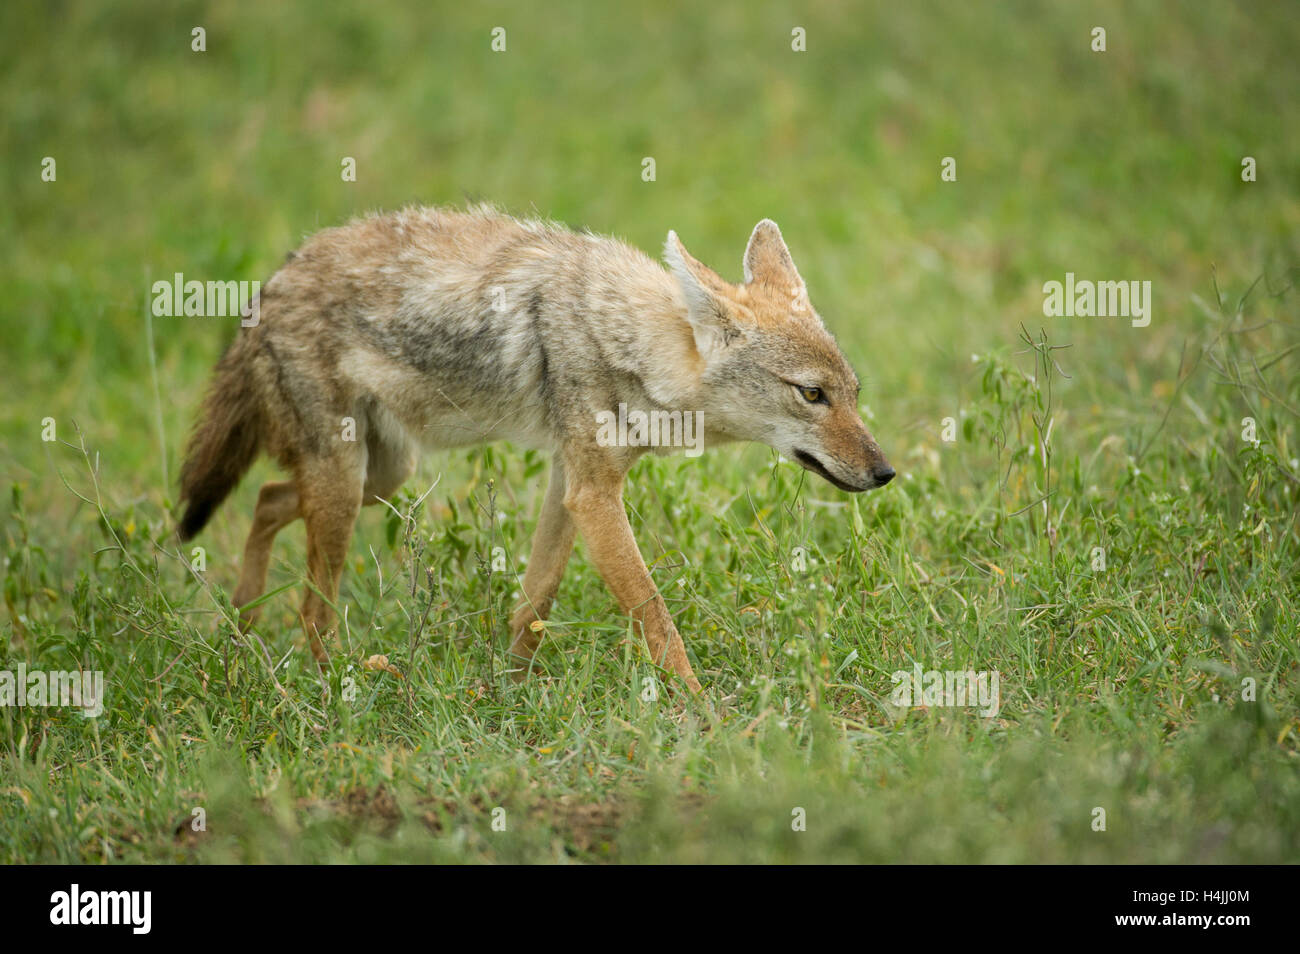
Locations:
(434, 328)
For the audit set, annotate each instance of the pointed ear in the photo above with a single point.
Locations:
(767, 259)
(768, 262)
(707, 298)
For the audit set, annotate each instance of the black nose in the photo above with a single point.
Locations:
(883, 475)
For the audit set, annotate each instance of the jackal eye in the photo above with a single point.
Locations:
(812, 395)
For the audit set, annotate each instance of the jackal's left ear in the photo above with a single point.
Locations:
(710, 306)
(768, 262)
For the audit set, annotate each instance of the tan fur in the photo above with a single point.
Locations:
(434, 328)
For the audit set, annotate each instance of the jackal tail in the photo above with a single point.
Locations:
(225, 441)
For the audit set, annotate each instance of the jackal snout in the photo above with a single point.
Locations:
(875, 469)
(852, 461)
(880, 470)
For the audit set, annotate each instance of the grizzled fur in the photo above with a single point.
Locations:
(432, 328)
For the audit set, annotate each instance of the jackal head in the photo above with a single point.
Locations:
(771, 370)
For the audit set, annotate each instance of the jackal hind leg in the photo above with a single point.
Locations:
(277, 507)
(330, 493)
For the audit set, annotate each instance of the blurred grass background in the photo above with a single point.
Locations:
(1117, 165)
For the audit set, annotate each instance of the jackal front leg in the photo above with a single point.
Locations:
(598, 512)
(552, 544)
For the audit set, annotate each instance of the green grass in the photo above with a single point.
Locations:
(1121, 689)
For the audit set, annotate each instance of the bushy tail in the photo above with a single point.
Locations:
(225, 440)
